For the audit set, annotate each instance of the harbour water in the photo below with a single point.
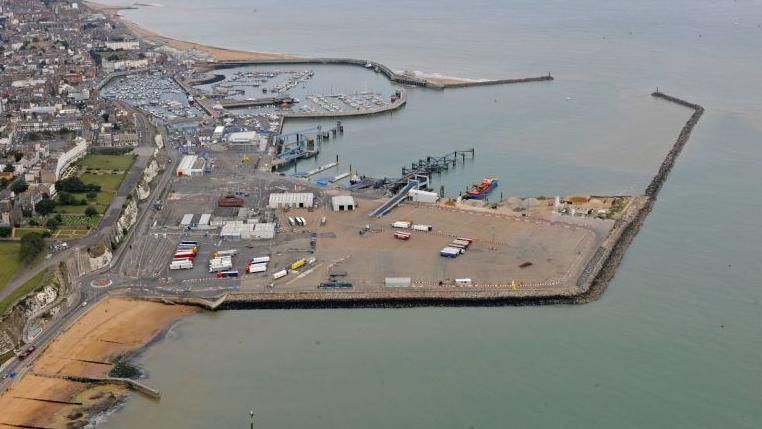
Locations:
(675, 341)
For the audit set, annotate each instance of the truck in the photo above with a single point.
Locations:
(188, 248)
(256, 268)
(181, 265)
(298, 264)
(425, 228)
(402, 224)
(259, 260)
(464, 282)
(227, 274)
(450, 252)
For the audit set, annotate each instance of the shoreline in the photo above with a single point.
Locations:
(223, 55)
(68, 383)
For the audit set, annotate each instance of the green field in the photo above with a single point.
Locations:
(9, 255)
(62, 233)
(108, 162)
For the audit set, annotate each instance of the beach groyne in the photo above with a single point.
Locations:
(137, 386)
(390, 74)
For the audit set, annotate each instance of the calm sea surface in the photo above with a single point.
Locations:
(675, 342)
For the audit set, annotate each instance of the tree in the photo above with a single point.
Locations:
(92, 195)
(53, 223)
(5, 231)
(9, 168)
(31, 245)
(66, 199)
(91, 211)
(45, 207)
(19, 186)
(75, 184)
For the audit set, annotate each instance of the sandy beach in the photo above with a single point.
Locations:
(219, 54)
(110, 330)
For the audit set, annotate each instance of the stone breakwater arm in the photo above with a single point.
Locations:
(629, 229)
(383, 69)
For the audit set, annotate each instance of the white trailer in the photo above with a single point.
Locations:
(280, 274)
(181, 265)
(230, 252)
(256, 268)
(426, 228)
(260, 260)
(401, 224)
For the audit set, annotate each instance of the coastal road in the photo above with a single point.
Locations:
(98, 234)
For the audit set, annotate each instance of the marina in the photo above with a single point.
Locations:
(155, 93)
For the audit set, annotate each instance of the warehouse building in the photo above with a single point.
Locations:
(238, 230)
(342, 203)
(422, 196)
(291, 200)
(191, 165)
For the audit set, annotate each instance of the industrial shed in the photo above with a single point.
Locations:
(342, 203)
(191, 165)
(291, 200)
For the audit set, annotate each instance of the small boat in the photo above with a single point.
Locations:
(480, 191)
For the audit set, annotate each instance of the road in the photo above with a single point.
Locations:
(84, 295)
(98, 234)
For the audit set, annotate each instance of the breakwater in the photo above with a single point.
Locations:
(611, 262)
(393, 76)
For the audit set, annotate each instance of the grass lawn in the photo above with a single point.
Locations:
(70, 220)
(108, 162)
(33, 284)
(9, 255)
(109, 184)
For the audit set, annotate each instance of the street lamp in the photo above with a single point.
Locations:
(251, 414)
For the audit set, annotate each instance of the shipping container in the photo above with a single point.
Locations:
(280, 274)
(298, 264)
(423, 227)
(259, 260)
(469, 240)
(401, 224)
(458, 245)
(192, 243)
(398, 281)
